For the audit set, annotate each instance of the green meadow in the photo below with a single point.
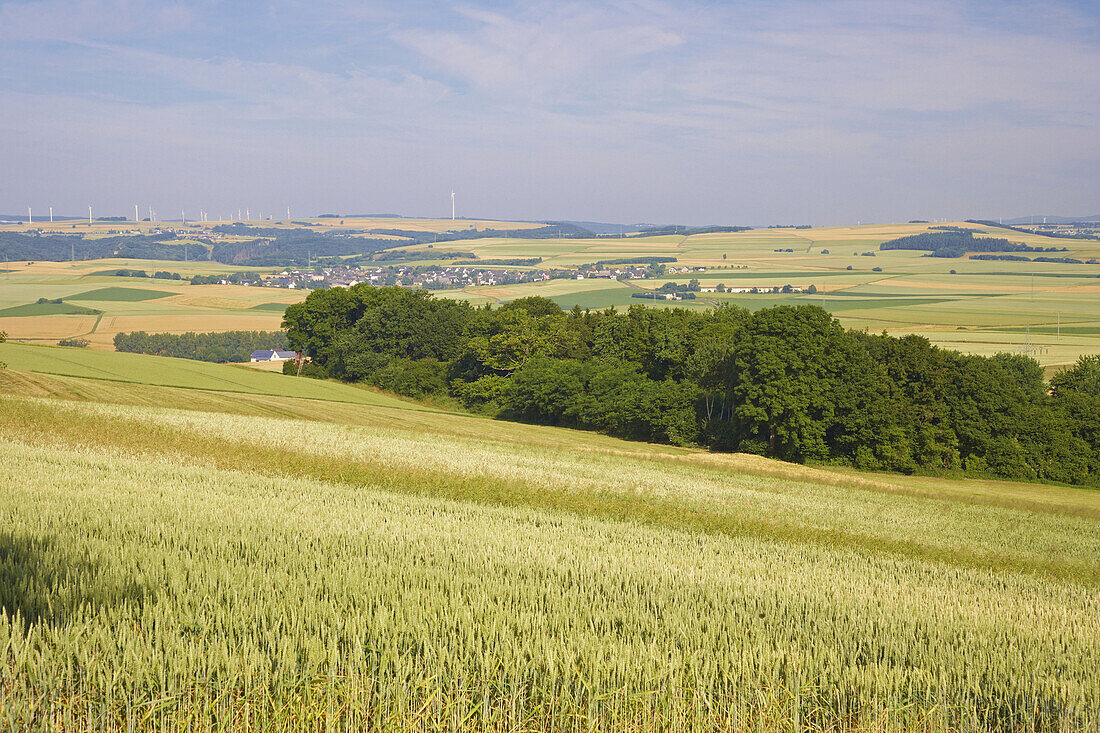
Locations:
(192, 546)
(183, 373)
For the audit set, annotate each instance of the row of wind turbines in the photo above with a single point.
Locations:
(204, 216)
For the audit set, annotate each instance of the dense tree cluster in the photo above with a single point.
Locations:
(421, 254)
(61, 247)
(290, 247)
(956, 242)
(226, 346)
(686, 231)
(788, 382)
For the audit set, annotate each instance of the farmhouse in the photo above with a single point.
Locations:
(271, 355)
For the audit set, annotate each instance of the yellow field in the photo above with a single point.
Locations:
(189, 307)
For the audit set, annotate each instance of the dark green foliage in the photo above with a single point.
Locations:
(955, 242)
(1060, 260)
(76, 342)
(686, 231)
(309, 369)
(1006, 258)
(122, 273)
(226, 346)
(787, 382)
(535, 305)
(61, 247)
(404, 255)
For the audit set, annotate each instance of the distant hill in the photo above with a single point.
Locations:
(39, 217)
(1051, 219)
(599, 227)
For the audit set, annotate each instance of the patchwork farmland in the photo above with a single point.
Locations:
(1050, 311)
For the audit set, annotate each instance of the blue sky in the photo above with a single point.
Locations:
(732, 113)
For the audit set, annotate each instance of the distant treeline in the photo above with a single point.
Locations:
(1020, 258)
(516, 261)
(61, 247)
(686, 231)
(956, 242)
(421, 254)
(225, 346)
(123, 272)
(1053, 235)
(273, 247)
(634, 261)
(788, 382)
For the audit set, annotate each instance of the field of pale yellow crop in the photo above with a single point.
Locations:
(179, 569)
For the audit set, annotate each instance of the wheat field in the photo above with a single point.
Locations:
(166, 569)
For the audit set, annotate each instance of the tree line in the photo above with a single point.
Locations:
(226, 346)
(956, 242)
(787, 382)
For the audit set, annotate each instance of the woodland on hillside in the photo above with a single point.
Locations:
(787, 382)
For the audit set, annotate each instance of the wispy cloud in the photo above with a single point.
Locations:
(619, 109)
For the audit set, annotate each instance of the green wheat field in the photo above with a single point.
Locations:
(217, 555)
(219, 558)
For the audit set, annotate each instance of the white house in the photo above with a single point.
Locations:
(272, 355)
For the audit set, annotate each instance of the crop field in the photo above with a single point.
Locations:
(130, 304)
(121, 294)
(185, 373)
(275, 559)
(46, 309)
(1050, 311)
(968, 310)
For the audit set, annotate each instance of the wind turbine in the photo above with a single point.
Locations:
(89, 214)
(51, 215)
(30, 218)
(136, 217)
(452, 205)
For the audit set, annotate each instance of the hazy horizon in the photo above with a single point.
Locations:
(701, 113)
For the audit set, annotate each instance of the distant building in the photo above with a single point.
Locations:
(272, 355)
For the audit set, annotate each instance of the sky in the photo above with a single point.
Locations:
(784, 112)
